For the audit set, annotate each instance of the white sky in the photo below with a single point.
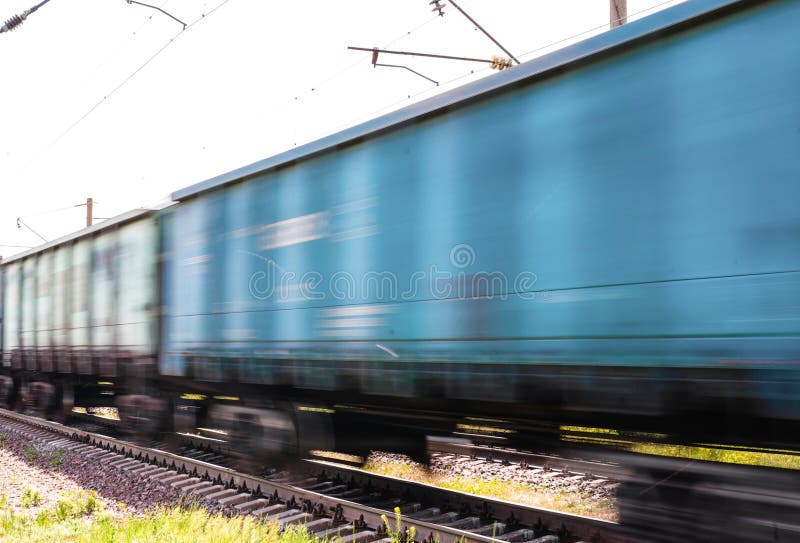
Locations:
(234, 88)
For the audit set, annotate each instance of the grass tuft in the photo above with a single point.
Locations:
(30, 498)
(56, 458)
(30, 453)
(398, 534)
(77, 518)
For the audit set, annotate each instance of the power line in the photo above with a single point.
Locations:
(57, 210)
(410, 97)
(16, 246)
(21, 223)
(124, 82)
(123, 45)
(473, 21)
(157, 8)
(17, 20)
(601, 27)
(294, 100)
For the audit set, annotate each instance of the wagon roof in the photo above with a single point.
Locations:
(128, 216)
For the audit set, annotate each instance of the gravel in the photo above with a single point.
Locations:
(52, 472)
(449, 465)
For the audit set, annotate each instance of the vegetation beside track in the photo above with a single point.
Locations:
(770, 459)
(536, 496)
(76, 522)
(655, 444)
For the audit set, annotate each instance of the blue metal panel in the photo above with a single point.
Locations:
(647, 197)
(189, 286)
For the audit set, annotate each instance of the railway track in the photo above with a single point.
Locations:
(329, 499)
(567, 466)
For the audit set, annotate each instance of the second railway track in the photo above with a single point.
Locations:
(330, 500)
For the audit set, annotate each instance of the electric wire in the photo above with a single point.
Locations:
(122, 83)
(316, 87)
(124, 45)
(442, 87)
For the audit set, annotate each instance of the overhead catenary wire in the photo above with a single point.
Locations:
(21, 223)
(150, 59)
(158, 8)
(444, 84)
(296, 98)
(57, 210)
(479, 27)
(123, 45)
(130, 76)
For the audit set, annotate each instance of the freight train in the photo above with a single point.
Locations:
(606, 235)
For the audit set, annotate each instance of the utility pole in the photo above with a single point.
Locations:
(89, 213)
(619, 13)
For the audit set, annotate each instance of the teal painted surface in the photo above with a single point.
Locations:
(79, 298)
(62, 294)
(44, 300)
(649, 198)
(137, 289)
(11, 309)
(98, 293)
(28, 302)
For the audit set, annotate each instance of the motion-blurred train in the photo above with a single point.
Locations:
(606, 235)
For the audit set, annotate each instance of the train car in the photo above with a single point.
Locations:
(80, 318)
(607, 234)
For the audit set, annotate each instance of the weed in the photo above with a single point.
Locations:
(57, 458)
(174, 524)
(30, 453)
(30, 498)
(398, 534)
(76, 504)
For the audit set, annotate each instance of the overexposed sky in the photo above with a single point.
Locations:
(247, 79)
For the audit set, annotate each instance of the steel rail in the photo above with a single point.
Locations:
(579, 527)
(572, 465)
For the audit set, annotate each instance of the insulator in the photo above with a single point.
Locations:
(13, 22)
(500, 63)
(437, 6)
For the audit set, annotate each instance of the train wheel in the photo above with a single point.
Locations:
(141, 414)
(6, 392)
(64, 402)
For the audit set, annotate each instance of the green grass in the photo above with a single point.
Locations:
(30, 498)
(714, 454)
(78, 519)
(773, 458)
(396, 533)
(30, 453)
(56, 457)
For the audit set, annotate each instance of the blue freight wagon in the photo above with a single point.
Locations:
(80, 317)
(608, 232)
(608, 235)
